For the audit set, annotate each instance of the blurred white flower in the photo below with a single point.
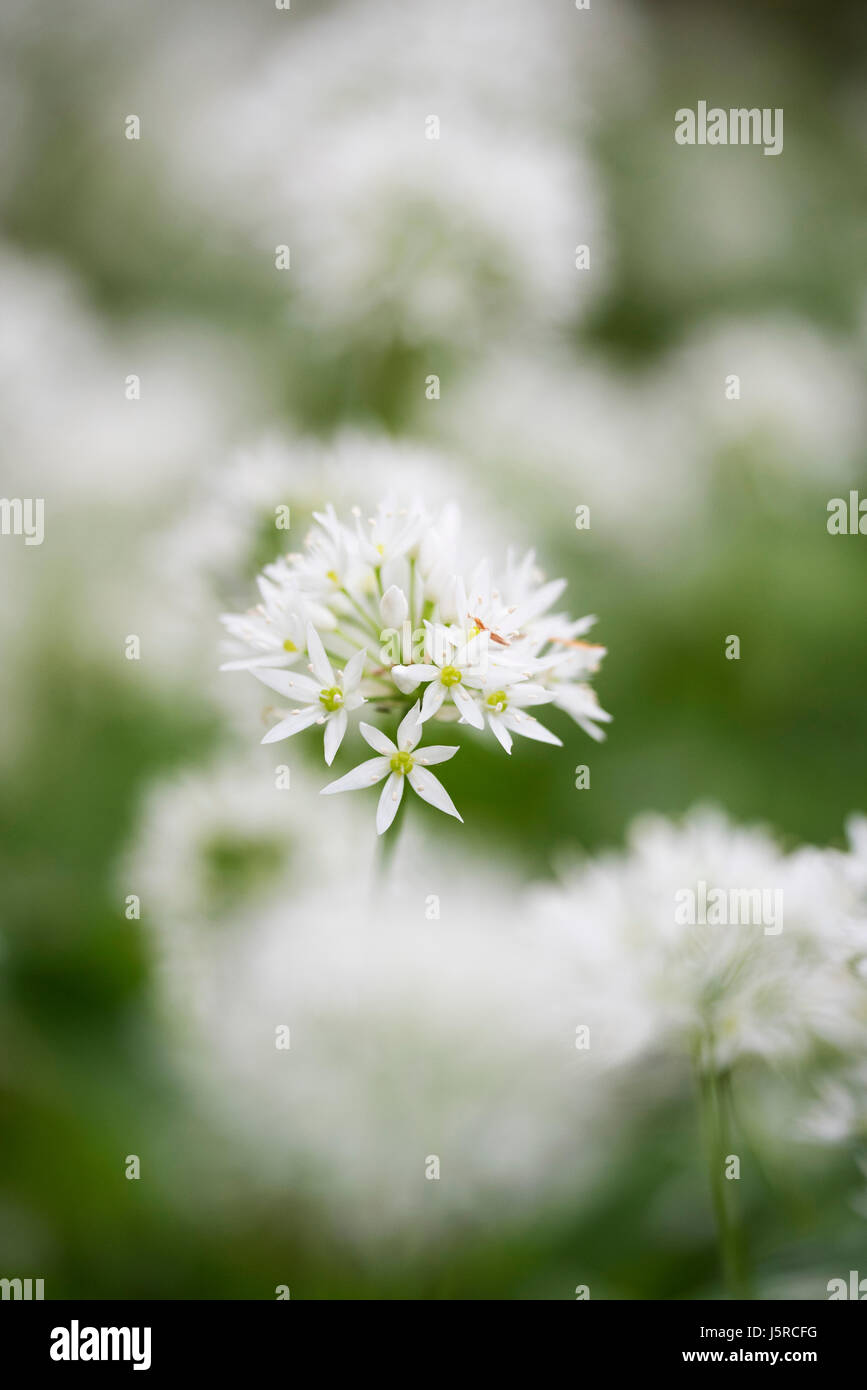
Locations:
(440, 1018)
(649, 449)
(423, 163)
(723, 991)
(420, 1021)
(86, 441)
(109, 468)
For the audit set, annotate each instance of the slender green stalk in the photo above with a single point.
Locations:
(363, 614)
(712, 1089)
(413, 615)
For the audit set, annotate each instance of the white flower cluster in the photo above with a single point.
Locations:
(412, 1030)
(398, 1043)
(718, 992)
(381, 608)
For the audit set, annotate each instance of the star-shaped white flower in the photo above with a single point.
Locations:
(330, 695)
(390, 533)
(505, 709)
(457, 665)
(274, 629)
(400, 762)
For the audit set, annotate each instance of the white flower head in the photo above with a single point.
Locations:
(381, 607)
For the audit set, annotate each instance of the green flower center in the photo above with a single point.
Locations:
(332, 699)
(497, 700)
(450, 675)
(402, 763)
(289, 645)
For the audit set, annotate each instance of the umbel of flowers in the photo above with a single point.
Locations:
(386, 612)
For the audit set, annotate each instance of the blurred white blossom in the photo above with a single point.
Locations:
(721, 991)
(422, 1020)
(649, 449)
(322, 145)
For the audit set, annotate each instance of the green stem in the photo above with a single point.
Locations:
(712, 1087)
(365, 616)
(412, 603)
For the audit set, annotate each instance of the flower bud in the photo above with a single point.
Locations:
(393, 606)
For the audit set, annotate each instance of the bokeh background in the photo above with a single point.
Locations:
(558, 387)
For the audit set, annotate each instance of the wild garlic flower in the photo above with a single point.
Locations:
(328, 696)
(379, 607)
(400, 762)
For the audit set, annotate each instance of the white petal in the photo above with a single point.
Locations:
(505, 675)
(433, 698)
(462, 603)
(437, 753)
(272, 659)
(529, 727)
(531, 694)
(377, 739)
(479, 587)
(406, 678)
(365, 775)
(319, 662)
(500, 732)
(353, 671)
(468, 707)
(335, 728)
(431, 790)
(294, 723)
(581, 704)
(474, 653)
(591, 729)
(389, 802)
(409, 730)
(542, 599)
(291, 684)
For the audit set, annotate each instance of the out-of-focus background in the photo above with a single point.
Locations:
(164, 385)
